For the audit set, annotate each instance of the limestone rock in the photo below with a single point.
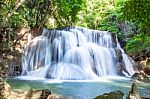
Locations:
(5, 89)
(139, 76)
(111, 95)
(38, 94)
(118, 55)
(58, 97)
(7, 93)
(133, 94)
(121, 68)
(118, 51)
(136, 76)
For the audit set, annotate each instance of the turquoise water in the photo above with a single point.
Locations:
(80, 89)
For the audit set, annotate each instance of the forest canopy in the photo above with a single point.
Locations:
(137, 11)
(128, 19)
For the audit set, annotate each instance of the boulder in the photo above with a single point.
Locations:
(58, 97)
(137, 76)
(111, 95)
(133, 94)
(38, 94)
(140, 76)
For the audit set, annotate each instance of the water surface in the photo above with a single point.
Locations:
(80, 89)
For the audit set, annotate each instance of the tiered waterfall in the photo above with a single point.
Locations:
(74, 53)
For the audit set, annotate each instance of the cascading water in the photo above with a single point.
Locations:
(73, 53)
(128, 62)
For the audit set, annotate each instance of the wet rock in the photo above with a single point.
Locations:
(118, 55)
(133, 94)
(38, 94)
(145, 97)
(111, 95)
(114, 40)
(140, 76)
(118, 51)
(121, 70)
(7, 93)
(136, 76)
(58, 97)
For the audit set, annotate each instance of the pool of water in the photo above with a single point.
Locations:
(79, 89)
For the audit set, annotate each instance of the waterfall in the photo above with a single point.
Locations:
(128, 62)
(74, 53)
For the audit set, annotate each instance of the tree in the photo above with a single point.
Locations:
(67, 11)
(101, 14)
(137, 11)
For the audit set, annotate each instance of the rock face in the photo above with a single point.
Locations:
(5, 89)
(133, 94)
(120, 63)
(111, 95)
(140, 76)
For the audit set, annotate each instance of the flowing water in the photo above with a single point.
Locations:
(76, 62)
(73, 53)
(79, 89)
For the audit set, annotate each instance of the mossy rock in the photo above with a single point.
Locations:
(111, 95)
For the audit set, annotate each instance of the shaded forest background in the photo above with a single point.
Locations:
(128, 19)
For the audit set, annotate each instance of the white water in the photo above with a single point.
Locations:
(128, 62)
(73, 53)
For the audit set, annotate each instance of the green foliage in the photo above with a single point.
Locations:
(35, 13)
(138, 11)
(138, 43)
(102, 15)
(96, 14)
(15, 14)
(16, 20)
(67, 11)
